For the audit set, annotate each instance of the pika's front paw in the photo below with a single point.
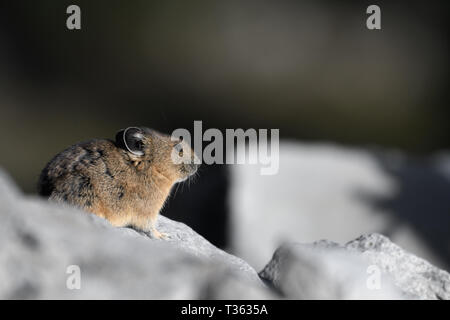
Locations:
(160, 235)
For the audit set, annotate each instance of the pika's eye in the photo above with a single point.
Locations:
(180, 153)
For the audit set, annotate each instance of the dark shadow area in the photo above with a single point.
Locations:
(422, 202)
(202, 204)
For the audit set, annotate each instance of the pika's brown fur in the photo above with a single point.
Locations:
(125, 181)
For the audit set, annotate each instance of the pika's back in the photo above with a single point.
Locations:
(74, 171)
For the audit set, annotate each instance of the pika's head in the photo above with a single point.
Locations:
(150, 150)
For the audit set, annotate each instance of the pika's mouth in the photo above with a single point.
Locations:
(188, 170)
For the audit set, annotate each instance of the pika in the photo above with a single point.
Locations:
(125, 181)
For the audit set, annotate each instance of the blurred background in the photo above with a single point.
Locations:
(363, 114)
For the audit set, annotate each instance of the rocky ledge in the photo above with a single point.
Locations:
(44, 247)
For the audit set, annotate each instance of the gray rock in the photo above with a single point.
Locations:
(39, 241)
(188, 240)
(8, 189)
(327, 191)
(322, 270)
(370, 267)
(414, 276)
(182, 237)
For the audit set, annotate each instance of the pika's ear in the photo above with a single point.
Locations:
(131, 139)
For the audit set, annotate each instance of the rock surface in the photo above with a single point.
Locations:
(315, 271)
(414, 276)
(370, 267)
(328, 191)
(40, 240)
(43, 244)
